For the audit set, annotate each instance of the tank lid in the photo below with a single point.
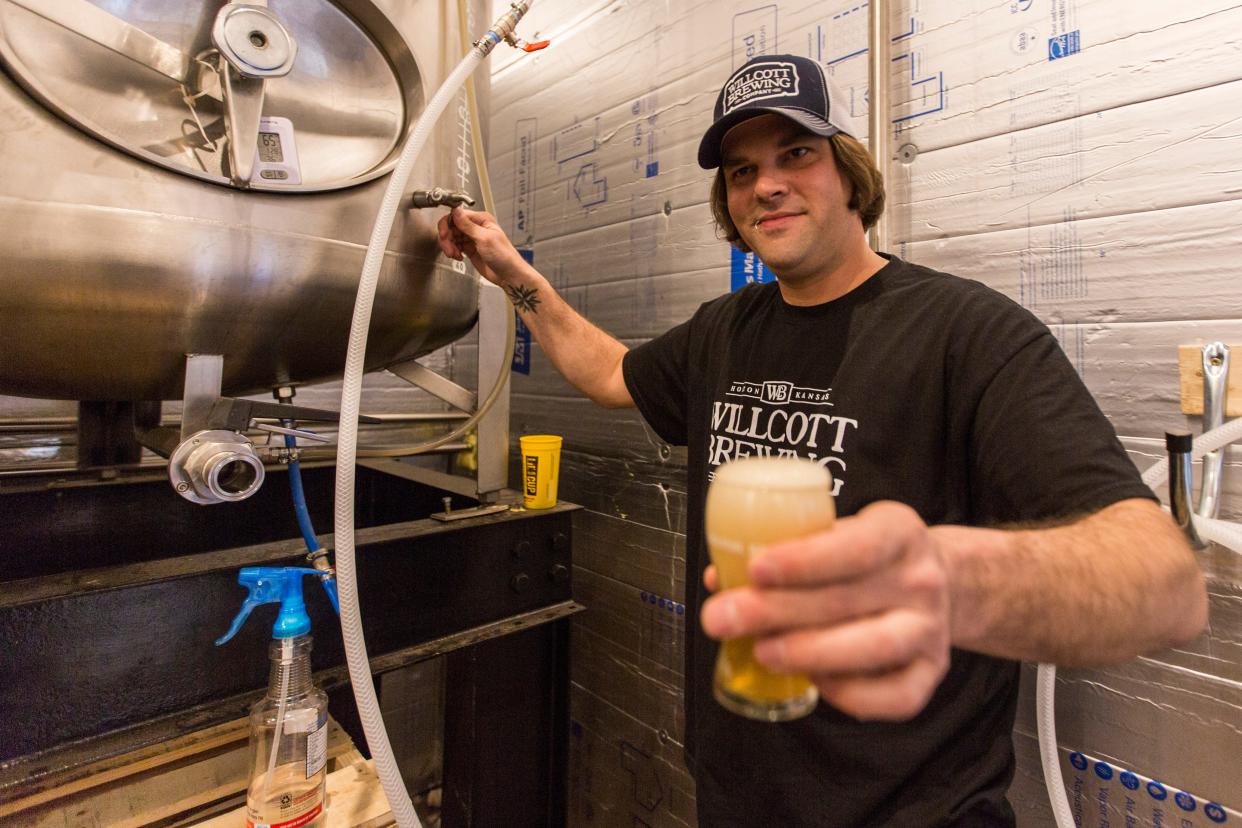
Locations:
(147, 77)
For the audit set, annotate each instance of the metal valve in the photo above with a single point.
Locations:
(440, 197)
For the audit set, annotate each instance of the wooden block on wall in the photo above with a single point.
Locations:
(1190, 367)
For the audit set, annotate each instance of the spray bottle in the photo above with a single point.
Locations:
(289, 725)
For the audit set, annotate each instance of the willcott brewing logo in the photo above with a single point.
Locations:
(776, 418)
(769, 79)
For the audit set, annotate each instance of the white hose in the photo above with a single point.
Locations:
(1209, 441)
(1046, 721)
(351, 392)
(1218, 531)
(489, 204)
(1223, 532)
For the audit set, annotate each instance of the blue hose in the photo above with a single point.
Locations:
(304, 520)
(299, 499)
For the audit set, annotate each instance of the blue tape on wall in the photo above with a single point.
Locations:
(747, 269)
(1102, 795)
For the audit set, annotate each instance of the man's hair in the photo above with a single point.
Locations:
(857, 168)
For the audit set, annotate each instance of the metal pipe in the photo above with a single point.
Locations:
(309, 455)
(1215, 391)
(1181, 476)
(880, 133)
(18, 425)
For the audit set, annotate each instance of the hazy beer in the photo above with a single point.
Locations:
(751, 503)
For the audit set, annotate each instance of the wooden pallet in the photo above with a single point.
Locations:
(355, 799)
(183, 781)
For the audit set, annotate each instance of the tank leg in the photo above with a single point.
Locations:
(107, 431)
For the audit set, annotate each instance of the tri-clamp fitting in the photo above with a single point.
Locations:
(216, 466)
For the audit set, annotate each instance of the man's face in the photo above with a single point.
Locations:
(786, 197)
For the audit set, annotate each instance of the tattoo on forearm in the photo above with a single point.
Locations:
(524, 298)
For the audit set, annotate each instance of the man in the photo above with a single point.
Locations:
(992, 515)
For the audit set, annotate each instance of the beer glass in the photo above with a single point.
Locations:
(753, 502)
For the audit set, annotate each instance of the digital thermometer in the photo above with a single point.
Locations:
(276, 157)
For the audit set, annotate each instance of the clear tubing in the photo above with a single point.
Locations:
(351, 392)
(1207, 442)
(476, 132)
(489, 204)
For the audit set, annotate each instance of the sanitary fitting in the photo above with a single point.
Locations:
(215, 466)
(254, 41)
(503, 28)
(440, 197)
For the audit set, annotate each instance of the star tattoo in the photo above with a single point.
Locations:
(524, 299)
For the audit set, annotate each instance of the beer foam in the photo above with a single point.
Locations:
(773, 473)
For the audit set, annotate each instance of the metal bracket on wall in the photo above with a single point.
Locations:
(1213, 371)
(1215, 392)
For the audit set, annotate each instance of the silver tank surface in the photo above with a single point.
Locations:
(128, 238)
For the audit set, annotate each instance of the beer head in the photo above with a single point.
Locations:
(767, 499)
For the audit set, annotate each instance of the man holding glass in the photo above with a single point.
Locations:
(989, 514)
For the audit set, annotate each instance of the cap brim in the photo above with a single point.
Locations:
(713, 139)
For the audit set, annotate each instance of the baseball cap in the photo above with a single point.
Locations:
(788, 85)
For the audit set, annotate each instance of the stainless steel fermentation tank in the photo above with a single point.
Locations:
(148, 215)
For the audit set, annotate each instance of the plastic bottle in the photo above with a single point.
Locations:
(289, 725)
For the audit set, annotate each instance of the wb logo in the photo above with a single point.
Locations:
(777, 392)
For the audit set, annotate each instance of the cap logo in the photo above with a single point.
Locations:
(768, 79)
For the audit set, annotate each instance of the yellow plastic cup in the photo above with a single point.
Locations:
(541, 465)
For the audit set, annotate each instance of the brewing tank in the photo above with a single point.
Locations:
(150, 210)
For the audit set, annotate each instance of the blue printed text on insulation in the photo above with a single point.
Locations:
(747, 269)
(1062, 46)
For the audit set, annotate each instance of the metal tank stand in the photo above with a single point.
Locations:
(493, 429)
(210, 459)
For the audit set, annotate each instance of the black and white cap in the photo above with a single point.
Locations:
(788, 85)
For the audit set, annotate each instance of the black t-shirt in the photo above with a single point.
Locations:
(918, 387)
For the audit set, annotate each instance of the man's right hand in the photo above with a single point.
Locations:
(477, 236)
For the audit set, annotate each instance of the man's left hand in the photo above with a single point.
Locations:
(862, 608)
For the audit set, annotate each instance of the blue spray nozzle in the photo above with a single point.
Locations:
(276, 585)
